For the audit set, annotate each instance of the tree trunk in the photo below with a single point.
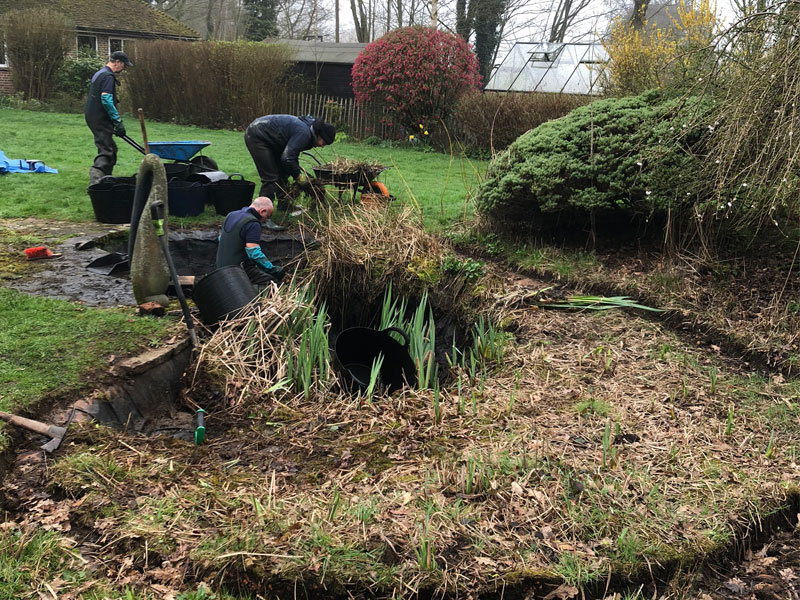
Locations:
(639, 14)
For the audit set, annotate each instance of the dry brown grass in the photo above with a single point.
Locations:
(601, 443)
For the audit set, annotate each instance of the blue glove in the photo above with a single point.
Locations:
(257, 256)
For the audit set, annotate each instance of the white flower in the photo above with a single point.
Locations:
(744, 185)
(729, 205)
(648, 192)
(716, 161)
(638, 162)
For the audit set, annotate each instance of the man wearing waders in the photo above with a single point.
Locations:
(275, 143)
(240, 243)
(102, 116)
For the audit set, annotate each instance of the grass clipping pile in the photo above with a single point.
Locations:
(591, 444)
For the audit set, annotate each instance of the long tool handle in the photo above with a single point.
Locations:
(157, 214)
(134, 143)
(37, 426)
(144, 132)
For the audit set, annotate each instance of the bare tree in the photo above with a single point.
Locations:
(360, 11)
(563, 17)
(304, 19)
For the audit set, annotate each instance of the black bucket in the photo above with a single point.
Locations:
(112, 200)
(358, 347)
(177, 170)
(186, 198)
(231, 194)
(223, 293)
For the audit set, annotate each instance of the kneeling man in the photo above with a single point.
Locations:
(240, 243)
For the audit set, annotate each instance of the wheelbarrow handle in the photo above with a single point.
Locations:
(312, 156)
(133, 143)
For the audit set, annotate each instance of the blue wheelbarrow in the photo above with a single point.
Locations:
(180, 152)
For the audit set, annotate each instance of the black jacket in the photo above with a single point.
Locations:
(93, 110)
(287, 136)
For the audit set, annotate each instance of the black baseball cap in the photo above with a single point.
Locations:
(122, 57)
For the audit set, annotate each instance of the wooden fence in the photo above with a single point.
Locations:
(357, 121)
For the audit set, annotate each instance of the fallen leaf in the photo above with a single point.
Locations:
(562, 592)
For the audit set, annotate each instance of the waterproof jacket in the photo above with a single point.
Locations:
(231, 241)
(287, 136)
(96, 115)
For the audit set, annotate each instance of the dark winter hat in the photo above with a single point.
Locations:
(326, 131)
(122, 57)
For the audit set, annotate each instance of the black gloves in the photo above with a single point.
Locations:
(119, 129)
(276, 272)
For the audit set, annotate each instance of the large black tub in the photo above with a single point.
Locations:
(112, 199)
(223, 293)
(186, 198)
(230, 194)
(357, 348)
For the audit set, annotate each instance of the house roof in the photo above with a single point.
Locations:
(131, 16)
(321, 52)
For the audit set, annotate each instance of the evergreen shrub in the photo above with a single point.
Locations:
(76, 73)
(629, 157)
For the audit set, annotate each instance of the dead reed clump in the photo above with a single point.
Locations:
(363, 250)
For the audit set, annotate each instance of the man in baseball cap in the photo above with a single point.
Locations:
(122, 57)
(102, 115)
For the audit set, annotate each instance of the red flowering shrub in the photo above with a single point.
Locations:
(417, 73)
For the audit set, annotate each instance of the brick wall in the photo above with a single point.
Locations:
(5, 82)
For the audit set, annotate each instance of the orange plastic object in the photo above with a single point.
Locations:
(38, 252)
(379, 187)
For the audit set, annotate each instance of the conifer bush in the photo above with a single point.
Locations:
(620, 156)
(416, 73)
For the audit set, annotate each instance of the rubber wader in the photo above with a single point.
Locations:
(149, 270)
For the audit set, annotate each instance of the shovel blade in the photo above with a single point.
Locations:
(109, 264)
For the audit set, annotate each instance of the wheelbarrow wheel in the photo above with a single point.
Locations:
(205, 163)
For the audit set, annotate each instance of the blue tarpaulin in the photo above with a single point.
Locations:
(22, 165)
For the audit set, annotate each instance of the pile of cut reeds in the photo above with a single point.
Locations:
(279, 344)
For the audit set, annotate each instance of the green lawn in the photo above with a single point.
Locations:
(47, 346)
(440, 185)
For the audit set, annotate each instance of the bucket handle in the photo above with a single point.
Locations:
(241, 177)
(402, 333)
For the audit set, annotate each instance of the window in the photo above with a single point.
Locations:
(545, 55)
(87, 44)
(127, 46)
(3, 57)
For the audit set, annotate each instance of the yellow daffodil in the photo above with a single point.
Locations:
(426, 132)
(420, 125)
(411, 137)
